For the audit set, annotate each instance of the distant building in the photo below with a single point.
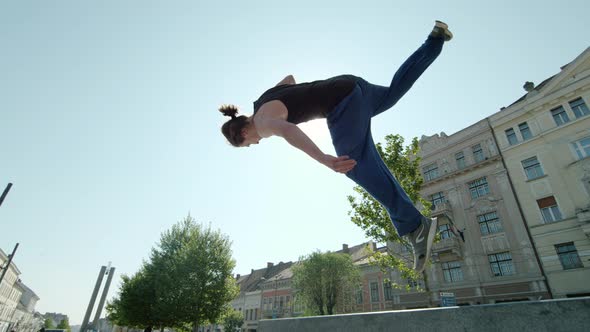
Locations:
(278, 296)
(354, 299)
(28, 299)
(24, 316)
(10, 292)
(250, 300)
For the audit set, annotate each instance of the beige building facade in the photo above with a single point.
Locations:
(544, 138)
(24, 316)
(264, 293)
(485, 255)
(10, 292)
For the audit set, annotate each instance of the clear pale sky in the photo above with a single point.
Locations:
(109, 127)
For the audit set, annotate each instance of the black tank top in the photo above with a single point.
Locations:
(309, 101)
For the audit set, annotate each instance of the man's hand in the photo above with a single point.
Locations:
(342, 164)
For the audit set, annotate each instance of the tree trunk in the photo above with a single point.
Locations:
(148, 329)
(330, 305)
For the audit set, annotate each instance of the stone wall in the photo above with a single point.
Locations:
(549, 315)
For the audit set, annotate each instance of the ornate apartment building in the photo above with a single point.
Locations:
(485, 255)
(544, 138)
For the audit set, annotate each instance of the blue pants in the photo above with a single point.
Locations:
(350, 128)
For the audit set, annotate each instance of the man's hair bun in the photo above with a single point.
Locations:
(229, 110)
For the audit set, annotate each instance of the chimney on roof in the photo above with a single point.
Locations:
(345, 248)
(237, 276)
(529, 86)
(269, 265)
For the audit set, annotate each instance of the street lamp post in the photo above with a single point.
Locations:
(5, 192)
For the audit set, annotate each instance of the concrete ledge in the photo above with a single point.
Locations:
(548, 315)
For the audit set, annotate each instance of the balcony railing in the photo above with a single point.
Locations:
(441, 208)
(451, 245)
(583, 215)
(276, 313)
(445, 174)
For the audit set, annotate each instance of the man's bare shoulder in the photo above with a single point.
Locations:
(270, 115)
(272, 109)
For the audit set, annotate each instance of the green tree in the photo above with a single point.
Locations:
(370, 215)
(134, 305)
(64, 324)
(321, 280)
(186, 282)
(192, 269)
(232, 320)
(49, 323)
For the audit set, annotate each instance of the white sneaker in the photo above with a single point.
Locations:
(421, 239)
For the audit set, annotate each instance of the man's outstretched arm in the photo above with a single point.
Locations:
(297, 138)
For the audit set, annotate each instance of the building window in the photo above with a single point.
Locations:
(374, 292)
(568, 256)
(359, 296)
(511, 135)
(431, 172)
(445, 231)
(582, 147)
(579, 107)
(388, 291)
(460, 158)
(501, 264)
(532, 168)
(437, 199)
(560, 116)
(489, 223)
(549, 209)
(478, 153)
(412, 283)
(525, 131)
(479, 187)
(452, 271)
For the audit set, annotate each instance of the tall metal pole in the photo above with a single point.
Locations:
(103, 298)
(8, 263)
(93, 299)
(5, 192)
